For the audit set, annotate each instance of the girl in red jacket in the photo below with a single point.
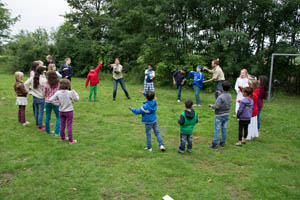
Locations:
(92, 77)
(252, 128)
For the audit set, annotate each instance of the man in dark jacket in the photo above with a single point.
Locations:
(178, 80)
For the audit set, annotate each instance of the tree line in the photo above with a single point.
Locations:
(170, 34)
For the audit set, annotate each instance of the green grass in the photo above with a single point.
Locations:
(109, 161)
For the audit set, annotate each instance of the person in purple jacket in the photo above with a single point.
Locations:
(244, 115)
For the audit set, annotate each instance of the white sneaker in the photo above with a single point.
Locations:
(146, 148)
(178, 101)
(26, 123)
(199, 105)
(162, 148)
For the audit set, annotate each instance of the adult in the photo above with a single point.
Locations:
(50, 60)
(241, 82)
(218, 76)
(178, 80)
(66, 70)
(118, 78)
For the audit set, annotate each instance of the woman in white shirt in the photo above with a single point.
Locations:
(240, 83)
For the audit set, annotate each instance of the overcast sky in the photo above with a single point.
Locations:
(37, 13)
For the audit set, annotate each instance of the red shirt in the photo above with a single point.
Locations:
(255, 101)
(92, 77)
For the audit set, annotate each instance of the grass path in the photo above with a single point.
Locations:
(109, 161)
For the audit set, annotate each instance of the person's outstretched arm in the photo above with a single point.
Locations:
(137, 111)
(99, 67)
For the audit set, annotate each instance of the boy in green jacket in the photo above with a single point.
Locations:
(187, 121)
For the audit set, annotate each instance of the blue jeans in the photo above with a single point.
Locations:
(197, 94)
(186, 137)
(179, 87)
(38, 111)
(49, 107)
(149, 128)
(122, 83)
(218, 88)
(221, 122)
(258, 119)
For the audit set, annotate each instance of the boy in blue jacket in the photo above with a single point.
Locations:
(197, 83)
(147, 111)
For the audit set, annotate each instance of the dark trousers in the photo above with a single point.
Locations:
(66, 117)
(243, 124)
(179, 87)
(21, 114)
(218, 88)
(186, 137)
(122, 83)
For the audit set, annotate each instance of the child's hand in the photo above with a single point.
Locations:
(73, 91)
(129, 108)
(209, 105)
(101, 62)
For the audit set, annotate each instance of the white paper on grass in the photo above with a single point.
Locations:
(167, 197)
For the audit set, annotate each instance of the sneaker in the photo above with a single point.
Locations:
(179, 151)
(162, 148)
(26, 123)
(189, 150)
(222, 144)
(41, 129)
(149, 149)
(178, 101)
(73, 142)
(128, 97)
(57, 135)
(213, 146)
(114, 99)
(199, 105)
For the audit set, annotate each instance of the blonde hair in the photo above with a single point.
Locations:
(67, 59)
(51, 67)
(253, 83)
(244, 70)
(40, 62)
(19, 76)
(49, 57)
(216, 61)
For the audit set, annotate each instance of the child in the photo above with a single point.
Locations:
(21, 97)
(64, 96)
(197, 83)
(178, 80)
(252, 128)
(94, 81)
(240, 83)
(222, 109)
(35, 87)
(66, 70)
(49, 89)
(34, 65)
(148, 82)
(262, 94)
(52, 67)
(147, 111)
(187, 121)
(244, 115)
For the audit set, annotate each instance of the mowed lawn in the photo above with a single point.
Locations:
(109, 161)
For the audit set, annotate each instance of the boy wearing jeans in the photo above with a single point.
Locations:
(187, 121)
(222, 109)
(147, 111)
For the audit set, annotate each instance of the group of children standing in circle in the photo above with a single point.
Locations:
(51, 94)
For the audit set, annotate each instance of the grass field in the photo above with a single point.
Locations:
(109, 161)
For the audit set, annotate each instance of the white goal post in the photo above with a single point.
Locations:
(271, 70)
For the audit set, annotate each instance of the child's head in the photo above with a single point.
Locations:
(244, 73)
(92, 68)
(41, 63)
(117, 61)
(150, 67)
(253, 83)
(226, 86)
(49, 58)
(247, 91)
(150, 95)
(199, 68)
(263, 81)
(215, 62)
(19, 76)
(51, 67)
(52, 79)
(34, 65)
(65, 84)
(183, 71)
(68, 61)
(188, 104)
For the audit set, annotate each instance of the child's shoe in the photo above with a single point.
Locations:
(222, 144)
(26, 123)
(189, 150)
(162, 148)
(57, 134)
(146, 148)
(178, 101)
(73, 142)
(179, 151)
(42, 129)
(213, 146)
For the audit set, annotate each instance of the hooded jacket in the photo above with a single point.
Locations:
(92, 77)
(187, 121)
(147, 111)
(245, 109)
(198, 78)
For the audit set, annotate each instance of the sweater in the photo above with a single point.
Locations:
(198, 78)
(20, 89)
(245, 109)
(117, 71)
(92, 77)
(147, 111)
(65, 97)
(187, 121)
(36, 92)
(255, 100)
(222, 105)
(179, 77)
